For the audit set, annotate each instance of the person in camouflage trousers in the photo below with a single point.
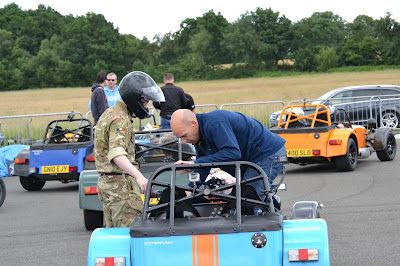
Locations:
(120, 178)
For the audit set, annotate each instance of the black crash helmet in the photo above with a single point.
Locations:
(136, 86)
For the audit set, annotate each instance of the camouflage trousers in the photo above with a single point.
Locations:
(120, 195)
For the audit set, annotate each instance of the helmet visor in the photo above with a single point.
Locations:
(153, 93)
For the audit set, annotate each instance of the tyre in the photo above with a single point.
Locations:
(389, 151)
(348, 162)
(2, 192)
(390, 119)
(93, 219)
(31, 184)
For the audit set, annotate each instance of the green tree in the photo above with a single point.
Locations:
(168, 52)
(240, 41)
(312, 34)
(214, 25)
(358, 53)
(3, 77)
(12, 18)
(6, 44)
(326, 59)
(16, 80)
(274, 35)
(259, 37)
(388, 32)
(90, 43)
(42, 68)
(361, 27)
(200, 46)
(350, 53)
(369, 50)
(41, 24)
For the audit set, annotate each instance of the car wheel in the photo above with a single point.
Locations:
(389, 152)
(2, 192)
(31, 184)
(93, 219)
(348, 162)
(390, 119)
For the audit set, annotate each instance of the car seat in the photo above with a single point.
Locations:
(183, 209)
(85, 136)
(57, 135)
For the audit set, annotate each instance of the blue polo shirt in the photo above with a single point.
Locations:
(112, 95)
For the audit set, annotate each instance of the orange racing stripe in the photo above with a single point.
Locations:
(194, 249)
(205, 250)
(216, 250)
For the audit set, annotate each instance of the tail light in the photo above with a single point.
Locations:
(73, 168)
(20, 161)
(90, 158)
(335, 142)
(90, 190)
(316, 152)
(303, 254)
(110, 261)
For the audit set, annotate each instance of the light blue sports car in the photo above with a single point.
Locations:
(205, 225)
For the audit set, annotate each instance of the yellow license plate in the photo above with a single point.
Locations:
(55, 169)
(299, 153)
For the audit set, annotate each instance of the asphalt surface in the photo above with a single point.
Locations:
(361, 209)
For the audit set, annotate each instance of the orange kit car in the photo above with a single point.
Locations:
(311, 137)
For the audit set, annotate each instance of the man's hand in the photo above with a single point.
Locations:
(185, 170)
(142, 182)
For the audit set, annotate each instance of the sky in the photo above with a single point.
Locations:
(151, 17)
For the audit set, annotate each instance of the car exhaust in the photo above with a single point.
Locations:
(365, 152)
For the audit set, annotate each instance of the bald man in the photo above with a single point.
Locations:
(224, 136)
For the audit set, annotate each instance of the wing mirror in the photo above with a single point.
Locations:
(371, 123)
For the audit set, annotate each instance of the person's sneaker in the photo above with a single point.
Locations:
(277, 202)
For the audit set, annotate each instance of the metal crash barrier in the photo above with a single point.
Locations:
(201, 108)
(385, 109)
(258, 110)
(155, 118)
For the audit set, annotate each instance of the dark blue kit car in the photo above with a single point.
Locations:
(65, 151)
(208, 226)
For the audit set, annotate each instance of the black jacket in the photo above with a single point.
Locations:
(99, 102)
(174, 99)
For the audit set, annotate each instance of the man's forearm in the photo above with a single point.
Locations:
(126, 166)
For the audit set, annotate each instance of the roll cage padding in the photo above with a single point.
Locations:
(208, 225)
(302, 130)
(61, 146)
